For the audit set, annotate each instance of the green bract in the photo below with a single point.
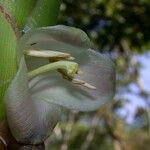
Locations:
(34, 106)
(8, 43)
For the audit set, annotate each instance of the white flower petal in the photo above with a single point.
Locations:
(30, 121)
(56, 38)
(98, 70)
(33, 108)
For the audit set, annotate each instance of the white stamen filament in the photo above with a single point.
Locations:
(47, 54)
(54, 55)
(89, 86)
(83, 83)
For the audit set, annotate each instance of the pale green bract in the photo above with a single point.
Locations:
(34, 107)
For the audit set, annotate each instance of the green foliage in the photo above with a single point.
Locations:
(32, 13)
(8, 56)
(44, 13)
(109, 22)
(78, 135)
(134, 139)
(19, 10)
(138, 140)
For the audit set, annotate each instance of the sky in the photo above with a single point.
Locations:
(133, 99)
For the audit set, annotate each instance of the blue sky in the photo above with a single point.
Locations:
(132, 96)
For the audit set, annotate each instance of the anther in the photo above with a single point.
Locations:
(47, 54)
(83, 83)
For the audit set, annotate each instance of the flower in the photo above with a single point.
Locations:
(34, 100)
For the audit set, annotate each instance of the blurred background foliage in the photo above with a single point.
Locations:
(110, 22)
(120, 27)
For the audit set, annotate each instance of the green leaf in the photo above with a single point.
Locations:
(44, 13)
(8, 42)
(19, 9)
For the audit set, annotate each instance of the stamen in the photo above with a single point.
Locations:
(54, 59)
(83, 83)
(89, 86)
(78, 81)
(67, 68)
(47, 54)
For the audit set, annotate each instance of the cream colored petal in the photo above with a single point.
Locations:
(98, 70)
(30, 121)
(55, 38)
